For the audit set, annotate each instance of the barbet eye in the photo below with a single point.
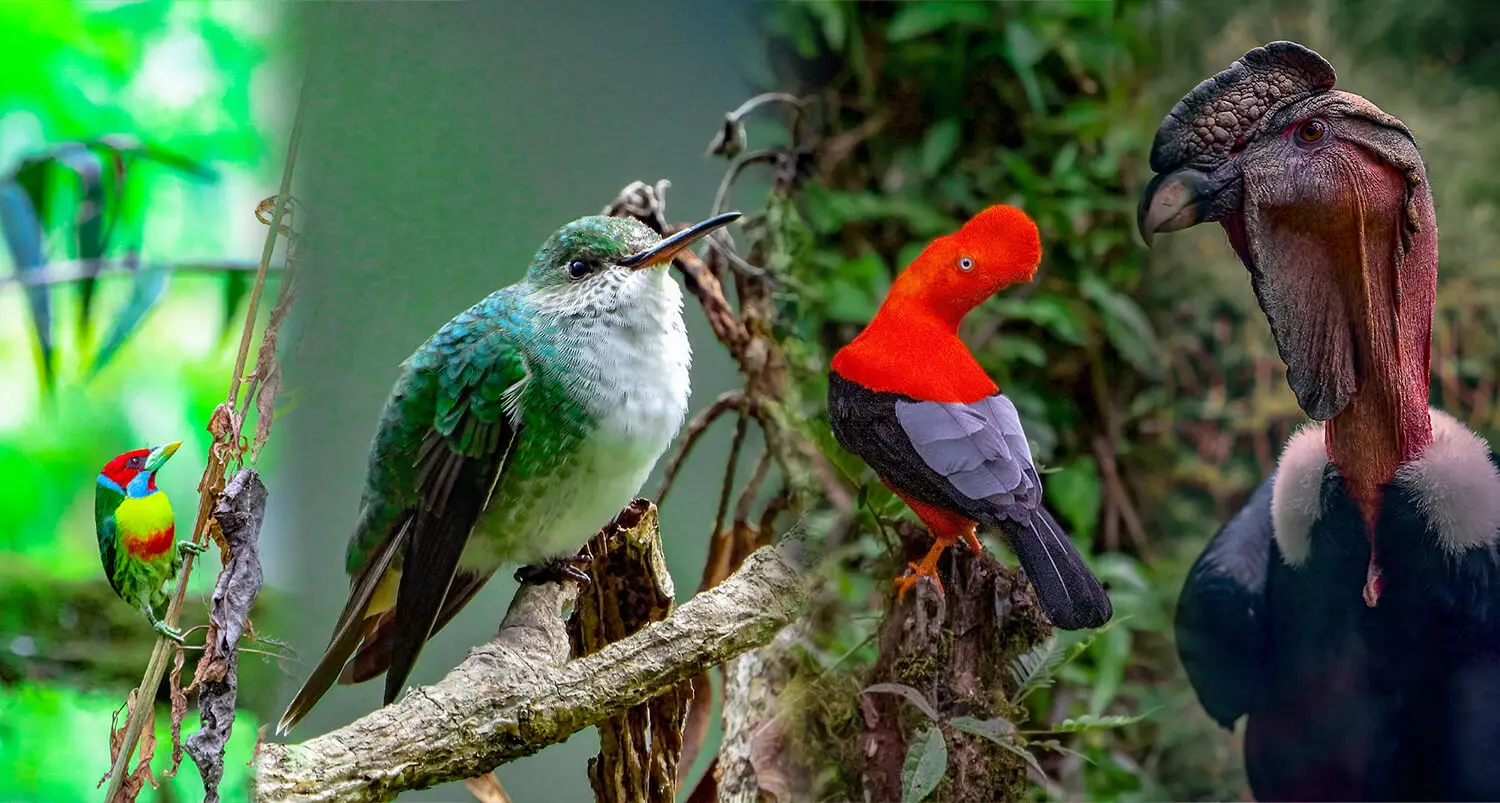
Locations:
(965, 264)
(578, 270)
(1311, 132)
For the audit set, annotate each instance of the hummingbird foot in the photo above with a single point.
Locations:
(190, 548)
(557, 570)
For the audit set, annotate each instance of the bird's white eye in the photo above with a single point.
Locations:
(965, 264)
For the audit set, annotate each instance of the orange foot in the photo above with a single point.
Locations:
(927, 568)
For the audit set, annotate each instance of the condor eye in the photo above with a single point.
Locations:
(965, 264)
(578, 269)
(1312, 131)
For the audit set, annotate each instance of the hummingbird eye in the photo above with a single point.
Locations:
(578, 269)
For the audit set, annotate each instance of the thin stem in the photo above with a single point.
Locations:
(209, 486)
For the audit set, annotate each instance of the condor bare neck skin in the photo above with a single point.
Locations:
(1388, 268)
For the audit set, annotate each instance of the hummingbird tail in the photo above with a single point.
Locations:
(374, 655)
(355, 624)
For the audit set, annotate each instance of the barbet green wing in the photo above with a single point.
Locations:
(106, 500)
(442, 446)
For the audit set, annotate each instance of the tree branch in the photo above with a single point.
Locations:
(520, 692)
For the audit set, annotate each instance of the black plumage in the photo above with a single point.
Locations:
(973, 460)
(1400, 701)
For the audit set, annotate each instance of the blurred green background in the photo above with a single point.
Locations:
(201, 81)
(444, 141)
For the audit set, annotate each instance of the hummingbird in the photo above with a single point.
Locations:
(511, 436)
(136, 528)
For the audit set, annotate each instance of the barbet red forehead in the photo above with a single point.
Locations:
(122, 468)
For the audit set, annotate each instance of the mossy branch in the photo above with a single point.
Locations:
(521, 692)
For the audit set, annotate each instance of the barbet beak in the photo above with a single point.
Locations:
(161, 454)
(666, 250)
(1174, 201)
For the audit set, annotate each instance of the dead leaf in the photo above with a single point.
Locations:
(770, 756)
(486, 788)
(239, 512)
(179, 710)
(117, 734)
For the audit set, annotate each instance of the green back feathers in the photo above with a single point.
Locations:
(106, 501)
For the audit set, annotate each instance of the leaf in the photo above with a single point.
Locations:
(238, 512)
(25, 239)
(771, 760)
(912, 695)
(1034, 668)
(939, 146)
(150, 283)
(1024, 49)
(856, 287)
(89, 234)
(179, 710)
(1093, 722)
(1076, 492)
(1015, 350)
(999, 730)
(1110, 659)
(920, 19)
(926, 763)
(831, 18)
(125, 143)
(1057, 747)
(1050, 312)
(1125, 325)
(237, 284)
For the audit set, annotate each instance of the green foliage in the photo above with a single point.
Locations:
(47, 755)
(927, 755)
(105, 79)
(88, 195)
(926, 761)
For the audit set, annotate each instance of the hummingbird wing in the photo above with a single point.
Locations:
(442, 445)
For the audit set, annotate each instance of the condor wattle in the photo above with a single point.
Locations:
(908, 397)
(1351, 610)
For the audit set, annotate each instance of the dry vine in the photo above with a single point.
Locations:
(228, 445)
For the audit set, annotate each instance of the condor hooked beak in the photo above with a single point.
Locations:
(161, 454)
(1175, 201)
(664, 251)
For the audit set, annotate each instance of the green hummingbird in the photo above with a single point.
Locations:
(511, 436)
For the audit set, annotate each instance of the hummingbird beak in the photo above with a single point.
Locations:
(666, 250)
(161, 454)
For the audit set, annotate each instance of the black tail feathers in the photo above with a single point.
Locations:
(1071, 595)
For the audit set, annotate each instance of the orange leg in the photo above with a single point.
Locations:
(947, 528)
